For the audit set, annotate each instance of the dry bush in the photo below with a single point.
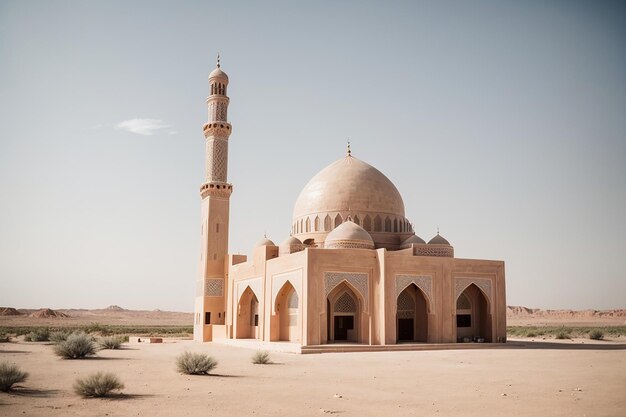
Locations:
(111, 342)
(261, 357)
(39, 335)
(10, 375)
(59, 336)
(76, 346)
(195, 363)
(596, 334)
(4, 338)
(97, 385)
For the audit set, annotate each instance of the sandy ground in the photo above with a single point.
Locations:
(556, 378)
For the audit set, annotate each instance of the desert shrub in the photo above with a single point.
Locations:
(10, 375)
(59, 336)
(195, 363)
(4, 338)
(261, 357)
(76, 346)
(561, 334)
(531, 334)
(39, 335)
(97, 385)
(596, 334)
(111, 342)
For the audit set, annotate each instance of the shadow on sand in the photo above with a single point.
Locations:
(33, 392)
(518, 344)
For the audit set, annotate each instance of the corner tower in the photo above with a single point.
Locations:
(210, 303)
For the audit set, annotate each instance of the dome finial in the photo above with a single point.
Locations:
(437, 229)
(349, 151)
(218, 60)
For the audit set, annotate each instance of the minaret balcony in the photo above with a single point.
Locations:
(217, 129)
(216, 189)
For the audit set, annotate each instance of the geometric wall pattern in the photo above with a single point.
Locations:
(461, 283)
(358, 280)
(423, 282)
(214, 287)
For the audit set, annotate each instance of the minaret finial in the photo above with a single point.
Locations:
(218, 59)
(349, 151)
(437, 229)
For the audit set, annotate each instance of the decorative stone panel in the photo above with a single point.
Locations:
(217, 159)
(461, 283)
(431, 250)
(358, 280)
(423, 282)
(214, 287)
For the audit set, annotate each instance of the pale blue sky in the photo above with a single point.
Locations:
(503, 122)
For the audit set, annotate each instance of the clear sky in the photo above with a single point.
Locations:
(502, 122)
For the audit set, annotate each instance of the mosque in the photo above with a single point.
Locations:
(351, 272)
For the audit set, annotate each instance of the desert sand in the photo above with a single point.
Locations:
(521, 378)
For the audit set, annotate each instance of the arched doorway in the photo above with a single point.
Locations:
(287, 309)
(248, 316)
(473, 316)
(343, 315)
(411, 315)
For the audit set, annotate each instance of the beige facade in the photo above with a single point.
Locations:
(352, 270)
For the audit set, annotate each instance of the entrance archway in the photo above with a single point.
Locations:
(287, 309)
(343, 315)
(248, 315)
(411, 315)
(473, 316)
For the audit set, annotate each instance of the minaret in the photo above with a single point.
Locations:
(211, 286)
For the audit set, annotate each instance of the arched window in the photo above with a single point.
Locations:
(395, 225)
(387, 224)
(378, 224)
(327, 222)
(367, 223)
(308, 225)
(317, 224)
(357, 220)
(338, 220)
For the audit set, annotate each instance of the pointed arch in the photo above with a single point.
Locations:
(248, 315)
(338, 219)
(378, 224)
(412, 309)
(308, 225)
(316, 224)
(473, 315)
(344, 313)
(287, 307)
(367, 223)
(395, 225)
(357, 220)
(387, 224)
(327, 223)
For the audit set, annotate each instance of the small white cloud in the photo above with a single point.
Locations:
(145, 127)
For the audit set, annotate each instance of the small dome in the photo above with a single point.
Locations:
(218, 73)
(264, 242)
(415, 239)
(291, 241)
(438, 240)
(349, 235)
(290, 245)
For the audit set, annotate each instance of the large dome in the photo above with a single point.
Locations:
(350, 187)
(349, 184)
